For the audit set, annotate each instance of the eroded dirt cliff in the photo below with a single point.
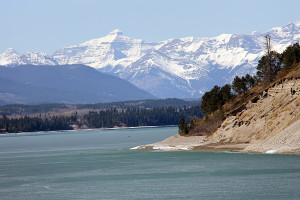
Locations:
(269, 122)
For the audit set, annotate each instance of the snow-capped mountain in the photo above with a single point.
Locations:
(108, 52)
(185, 67)
(12, 58)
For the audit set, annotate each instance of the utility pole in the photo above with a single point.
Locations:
(268, 44)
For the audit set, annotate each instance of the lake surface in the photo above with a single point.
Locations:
(97, 164)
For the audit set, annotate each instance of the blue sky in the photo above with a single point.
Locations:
(47, 25)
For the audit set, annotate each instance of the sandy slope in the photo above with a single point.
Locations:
(270, 125)
(267, 122)
(287, 141)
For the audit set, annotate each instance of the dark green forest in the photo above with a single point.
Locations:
(106, 118)
(31, 124)
(140, 117)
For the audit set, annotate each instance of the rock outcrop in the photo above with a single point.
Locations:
(268, 123)
(265, 121)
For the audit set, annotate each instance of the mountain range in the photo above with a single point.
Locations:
(181, 68)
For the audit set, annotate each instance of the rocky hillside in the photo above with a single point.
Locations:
(268, 121)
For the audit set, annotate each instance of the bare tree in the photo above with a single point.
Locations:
(269, 60)
(268, 65)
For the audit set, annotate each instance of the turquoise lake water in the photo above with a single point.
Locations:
(97, 164)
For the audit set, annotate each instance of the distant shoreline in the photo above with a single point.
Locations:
(87, 129)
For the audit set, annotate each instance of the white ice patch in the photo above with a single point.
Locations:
(163, 148)
(170, 148)
(134, 148)
(271, 151)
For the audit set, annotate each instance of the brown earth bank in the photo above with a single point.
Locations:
(268, 124)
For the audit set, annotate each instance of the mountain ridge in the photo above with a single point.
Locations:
(63, 84)
(182, 68)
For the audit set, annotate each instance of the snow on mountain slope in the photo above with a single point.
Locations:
(185, 67)
(285, 36)
(198, 63)
(11, 58)
(38, 58)
(111, 51)
(147, 73)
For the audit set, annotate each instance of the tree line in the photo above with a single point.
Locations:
(106, 118)
(31, 124)
(140, 117)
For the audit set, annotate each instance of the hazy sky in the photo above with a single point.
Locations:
(47, 25)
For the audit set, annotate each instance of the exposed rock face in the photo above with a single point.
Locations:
(264, 121)
(269, 123)
(287, 141)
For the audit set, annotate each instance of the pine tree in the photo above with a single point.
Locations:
(225, 94)
(182, 127)
(241, 85)
(210, 100)
(291, 56)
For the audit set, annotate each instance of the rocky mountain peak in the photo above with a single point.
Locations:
(9, 52)
(115, 35)
(116, 32)
(9, 57)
